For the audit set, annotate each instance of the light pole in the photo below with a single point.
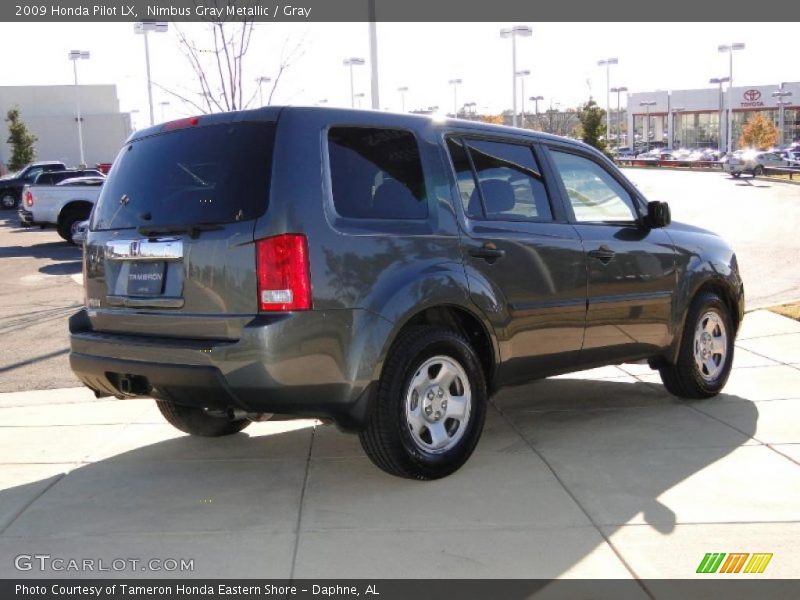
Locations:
(455, 83)
(719, 81)
(261, 81)
(403, 90)
(618, 91)
(522, 74)
(729, 48)
(535, 100)
(607, 62)
(676, 113)
(513, 33)
(359, 96)
(647, 106)
(780, 94)
(75, 56)
(144, 27)
(352, 62)
(163, 104)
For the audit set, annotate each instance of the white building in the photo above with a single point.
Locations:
(50, 112)
(691, 118)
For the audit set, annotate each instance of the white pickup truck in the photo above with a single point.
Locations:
(63, 206)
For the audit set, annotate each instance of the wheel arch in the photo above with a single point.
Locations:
(74, 205)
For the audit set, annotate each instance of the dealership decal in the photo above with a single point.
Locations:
(736, 562)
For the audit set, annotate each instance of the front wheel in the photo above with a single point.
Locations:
(705, 355)
(199, 421)
(758, 171)
(430, 406)
(736, 174)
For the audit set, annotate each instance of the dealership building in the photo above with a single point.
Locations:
(698, 118)
(50, 112)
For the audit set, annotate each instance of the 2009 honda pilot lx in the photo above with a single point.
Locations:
(387, 272)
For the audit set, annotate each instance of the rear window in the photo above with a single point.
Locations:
(213, 174)
(376, 173)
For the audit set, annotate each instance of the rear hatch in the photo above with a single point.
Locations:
(170, 251)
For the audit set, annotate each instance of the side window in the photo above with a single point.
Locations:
(510, 181)
(594, 194)
(376, 173)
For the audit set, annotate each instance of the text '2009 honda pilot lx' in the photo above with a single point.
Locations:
(386, 272)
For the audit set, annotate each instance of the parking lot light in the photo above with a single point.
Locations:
(261, 81)
(719, 81)
(402, 89)
(780, 94)
(730, 49)
(455, 83)
(647, 106)
(143, 28)
(513, 33)
(607, 62)
(353, 62)
(522, 75)
(618, 91)
(75, 56)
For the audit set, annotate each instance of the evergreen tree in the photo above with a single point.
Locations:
(593, 125)
(22, 141)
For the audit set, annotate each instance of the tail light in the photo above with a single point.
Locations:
(28, 198)
(284, 281)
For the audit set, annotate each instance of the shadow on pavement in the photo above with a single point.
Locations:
(64, 268)
(50, 250)
(233, 504)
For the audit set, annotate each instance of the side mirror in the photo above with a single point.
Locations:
(658, 215)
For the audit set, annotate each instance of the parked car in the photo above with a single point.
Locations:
(56, 177)
(62, 206)
(11, 185)
(79, 236)
(753, 162)
(329, 263)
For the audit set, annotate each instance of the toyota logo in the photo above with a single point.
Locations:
(752, 95)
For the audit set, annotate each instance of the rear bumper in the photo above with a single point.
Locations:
(26, 217)
(285, 364)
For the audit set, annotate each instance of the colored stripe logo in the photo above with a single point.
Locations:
(735, 562)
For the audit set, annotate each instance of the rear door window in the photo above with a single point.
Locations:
(210, 174)
(510, 186)
(376, 174)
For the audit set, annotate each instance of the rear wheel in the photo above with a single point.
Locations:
(736, 174)
(758, 171)
(68, 224)
(430, 407)
(706, 352)
(199, 421)
(8, 199)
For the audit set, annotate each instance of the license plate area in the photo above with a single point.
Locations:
(146, 278)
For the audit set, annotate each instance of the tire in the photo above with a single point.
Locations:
(68, 222)
(688, 378)
(737, 174)
(8, 199)
(758, 171)
(411, 432)
(197, 421)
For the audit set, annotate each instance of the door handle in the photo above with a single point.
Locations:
(604, 254)
(488, 252)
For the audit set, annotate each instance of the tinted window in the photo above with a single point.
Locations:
(511, 185)
(594, 194)
(212, 174)
(376, 174)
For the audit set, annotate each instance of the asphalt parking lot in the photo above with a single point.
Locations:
(599, 474)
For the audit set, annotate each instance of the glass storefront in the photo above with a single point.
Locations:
(696, 130)
(657, 130)
(791, 123)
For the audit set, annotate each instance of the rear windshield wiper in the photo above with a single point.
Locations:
(192, 230)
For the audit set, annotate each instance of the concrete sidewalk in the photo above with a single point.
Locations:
(594, 475)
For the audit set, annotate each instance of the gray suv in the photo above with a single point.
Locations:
(385, 272)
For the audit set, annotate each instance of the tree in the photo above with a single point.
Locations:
(22, 141)
(759, 133)
(592, 124)
(217, 60)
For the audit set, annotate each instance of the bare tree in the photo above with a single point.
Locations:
(217, 60)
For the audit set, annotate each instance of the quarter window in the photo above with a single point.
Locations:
(594, 194)
(510, 181)
(376, 173)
